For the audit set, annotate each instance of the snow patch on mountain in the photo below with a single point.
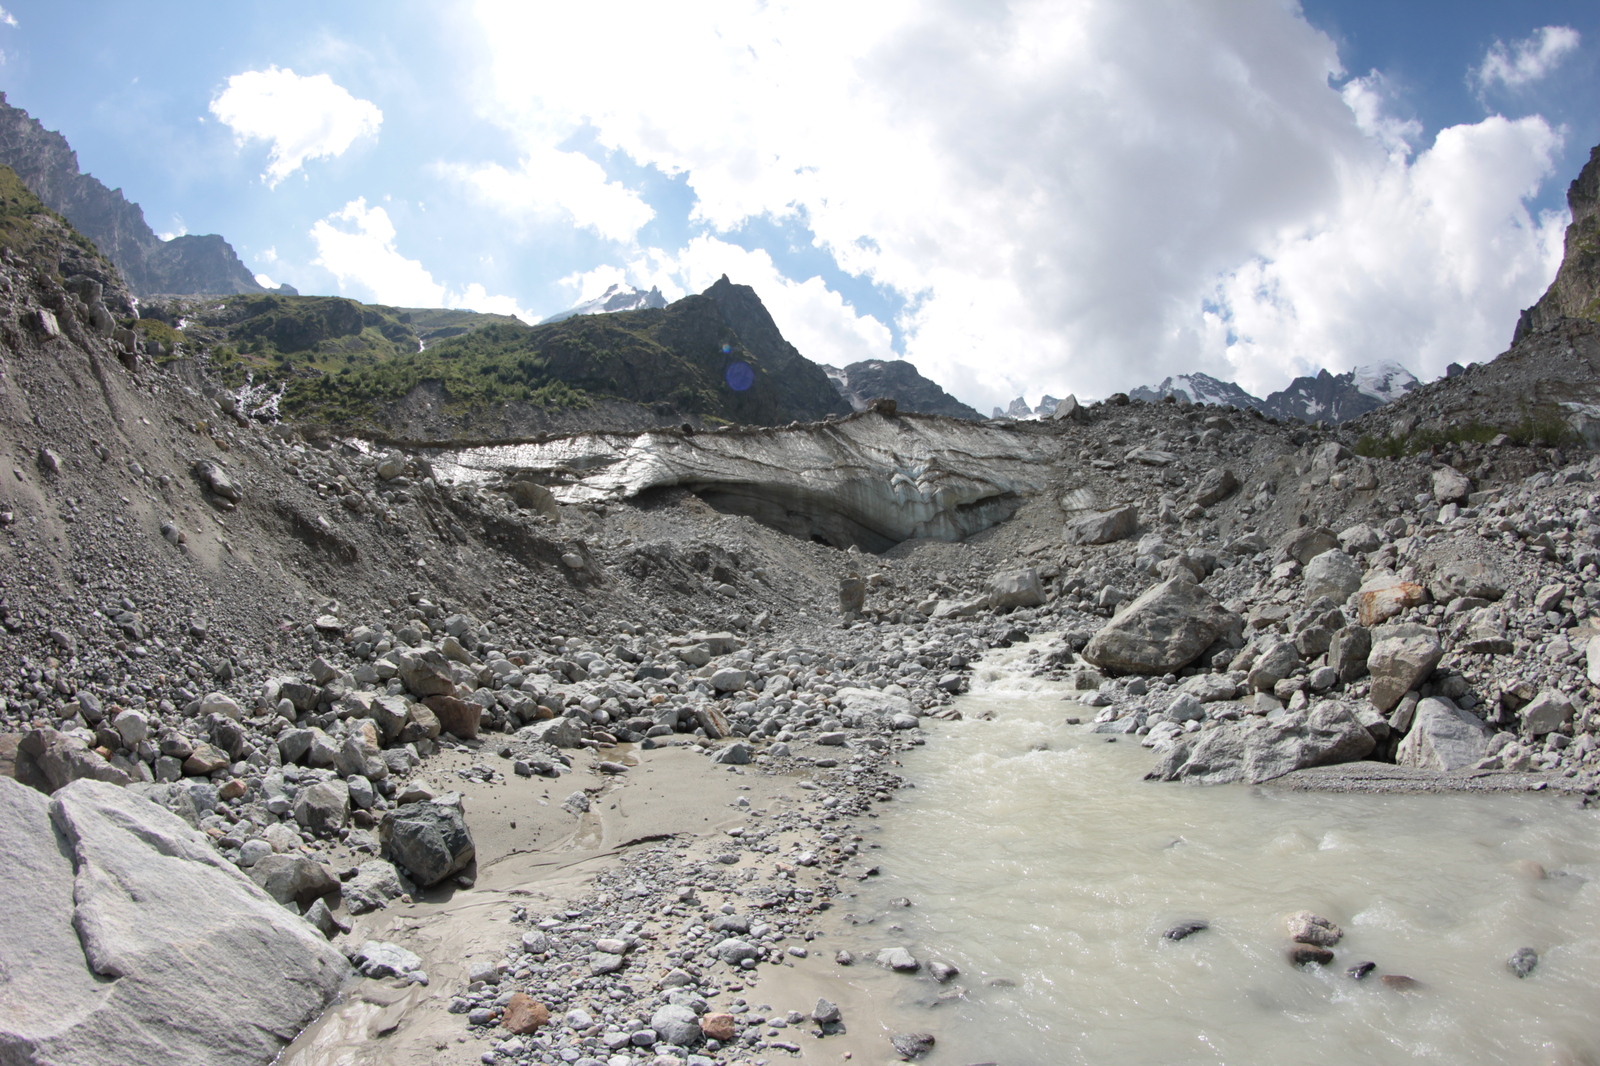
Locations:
(616, 298)
(1385, 382)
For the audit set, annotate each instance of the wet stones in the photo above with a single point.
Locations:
(1309, 955)
(899, 960)
(826, 1013)
(379, 958)
(1185, 929)
(1308, 928)
(1523, 962)
(912, 1045)
(1323, 735)
(430, 840)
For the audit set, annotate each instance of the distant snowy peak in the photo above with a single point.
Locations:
(1323, 397)
(616, 298)
(1385, 382)
(1199, 388)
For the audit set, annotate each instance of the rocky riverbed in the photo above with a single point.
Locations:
(592, 780)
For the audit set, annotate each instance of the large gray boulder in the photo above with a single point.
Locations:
(125, 937)
(1218, 484)
(1262, 749)
(1104, 527)
(293, 877)
(1451, 485)
(1467, 577)
(1402, 657)
(49, 760)
(560, 732)
(377, 881)
(1332, 574)
(1163, 630)
(425, 672)
(1306, 543)
(324, 807)
(430, 840)
(1016, 588)
(1443, 737)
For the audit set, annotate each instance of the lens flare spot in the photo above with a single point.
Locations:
(739, 376)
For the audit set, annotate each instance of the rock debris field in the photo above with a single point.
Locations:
(296, 728)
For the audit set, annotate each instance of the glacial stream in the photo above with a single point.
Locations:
(1038, 862)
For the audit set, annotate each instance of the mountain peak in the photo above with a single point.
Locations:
(615, 298)
(48, 166)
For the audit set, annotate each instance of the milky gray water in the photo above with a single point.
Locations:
(1058, 869)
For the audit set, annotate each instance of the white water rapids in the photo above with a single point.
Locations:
(1034, 853)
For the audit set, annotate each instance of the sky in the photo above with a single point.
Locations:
(1021, 198)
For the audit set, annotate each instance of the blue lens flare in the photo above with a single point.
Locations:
(739, 376)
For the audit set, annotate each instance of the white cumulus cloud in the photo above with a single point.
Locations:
(1070, 195)
(1527, 60)
(357, 246)
(549, 181)
(302, 117)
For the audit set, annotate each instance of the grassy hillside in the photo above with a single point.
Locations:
(36, 233)
(342, 363)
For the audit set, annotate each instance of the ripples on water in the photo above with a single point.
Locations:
(1058, 869)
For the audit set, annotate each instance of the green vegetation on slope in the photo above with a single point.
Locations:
(33, 231)
(1542, 426)
(342, 363)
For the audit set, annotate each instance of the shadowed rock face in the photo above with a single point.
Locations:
(861, 383)
(49, 166)
(1575, 293)
(869, 480)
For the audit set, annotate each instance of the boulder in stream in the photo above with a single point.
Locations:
(1262, 749)
(1163, 630)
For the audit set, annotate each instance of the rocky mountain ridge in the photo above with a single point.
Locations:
(1575, 293)
(1322, 397)
(862, 382)
(615, 298)
(186, 264)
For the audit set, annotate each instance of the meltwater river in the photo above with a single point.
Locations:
(1039, 862)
